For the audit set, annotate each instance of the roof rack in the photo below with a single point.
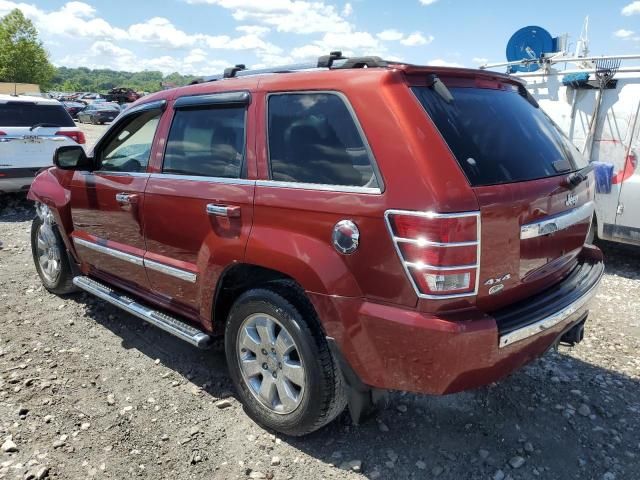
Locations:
(325, 61)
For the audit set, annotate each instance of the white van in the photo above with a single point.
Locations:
(31, 128)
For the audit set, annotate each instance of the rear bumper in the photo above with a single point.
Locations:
(399, 349)
(16, 179)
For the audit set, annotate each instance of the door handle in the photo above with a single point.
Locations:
(126, 198)
(223, 210)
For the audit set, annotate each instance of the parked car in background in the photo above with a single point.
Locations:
(89, 98)
(348, 230)
(98, 113)
(31, 128)
(73, 108)
(122, 95)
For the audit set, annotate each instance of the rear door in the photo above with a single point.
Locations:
(199, 207)
(106, 204)
(516, 160)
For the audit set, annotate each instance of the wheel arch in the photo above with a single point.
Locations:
(241, 277)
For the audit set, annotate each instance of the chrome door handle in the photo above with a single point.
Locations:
(223, 210)
(126, 198)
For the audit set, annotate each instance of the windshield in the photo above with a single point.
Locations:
(23, 114)
(498, 136)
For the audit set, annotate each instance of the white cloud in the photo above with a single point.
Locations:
(632, 9)
(105, 54)
(428, 2)
(161, 32)
(480, 60)
(390, 35)
(416, 39)
(74, 19)
(439, 62)
(290, 16)
(622, 33)
(253, 29)
(347, 10)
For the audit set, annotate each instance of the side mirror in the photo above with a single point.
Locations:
(72, 157)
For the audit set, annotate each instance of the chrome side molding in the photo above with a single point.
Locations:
(185, 275)
(161, 320)
(556, 223)
(120, 255)
(172, 271)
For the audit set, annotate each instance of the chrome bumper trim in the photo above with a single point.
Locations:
(550, 321)
(559, 222)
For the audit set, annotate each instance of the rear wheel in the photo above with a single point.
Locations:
(50, 258)
(280, 362)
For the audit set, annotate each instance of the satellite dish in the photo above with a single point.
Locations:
(528, 43)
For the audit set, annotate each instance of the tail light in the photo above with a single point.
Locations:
(77, 136)
(2, 133)
(440, 252)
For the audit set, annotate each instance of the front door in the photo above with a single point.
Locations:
(199, 205)
(106, 204)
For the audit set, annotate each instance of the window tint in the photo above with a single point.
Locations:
(129, 148)
(313, 139)
(206, 142)
(23, 114)
(497, 136)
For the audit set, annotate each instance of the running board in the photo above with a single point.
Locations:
(161, 320)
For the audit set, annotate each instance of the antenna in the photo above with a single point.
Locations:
(582, 47)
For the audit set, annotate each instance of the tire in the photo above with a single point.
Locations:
(323, 396)
(62, 283)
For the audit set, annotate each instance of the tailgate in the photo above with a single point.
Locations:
(23, 148)
(533, 225)
(532, 233)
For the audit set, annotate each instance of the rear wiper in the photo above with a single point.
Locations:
(46, 125)
(574, 179)
(440, 88)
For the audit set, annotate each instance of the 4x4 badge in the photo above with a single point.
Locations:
(572, 200)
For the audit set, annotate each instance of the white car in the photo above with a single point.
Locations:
(31, 128)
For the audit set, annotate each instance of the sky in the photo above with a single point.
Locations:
(202, 37)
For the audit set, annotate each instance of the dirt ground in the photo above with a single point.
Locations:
(87, 391)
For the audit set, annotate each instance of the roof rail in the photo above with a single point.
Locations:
(325, 61)
(232, 71)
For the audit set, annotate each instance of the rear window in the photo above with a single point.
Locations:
(22, 114)
(313, 138)
(498, 136)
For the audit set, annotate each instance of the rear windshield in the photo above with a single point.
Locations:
(498, 136)
(22, 114)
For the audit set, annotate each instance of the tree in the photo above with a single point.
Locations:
(22, 57)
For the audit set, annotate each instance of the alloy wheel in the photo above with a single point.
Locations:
(270, 363)
(48, 253)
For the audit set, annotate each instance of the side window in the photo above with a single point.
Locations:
(206, 142)
(129, 148)
(313, 138)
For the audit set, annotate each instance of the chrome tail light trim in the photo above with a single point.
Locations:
(406, 265)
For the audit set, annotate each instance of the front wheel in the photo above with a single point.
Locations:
(50, 258)
(280, 362)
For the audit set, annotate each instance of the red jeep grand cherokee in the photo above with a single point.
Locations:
(347, 229)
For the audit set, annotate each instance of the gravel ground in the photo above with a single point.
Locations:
(87, 391)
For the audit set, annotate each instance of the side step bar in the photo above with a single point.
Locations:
(161, 320)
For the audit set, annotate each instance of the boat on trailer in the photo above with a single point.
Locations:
(595, 100)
